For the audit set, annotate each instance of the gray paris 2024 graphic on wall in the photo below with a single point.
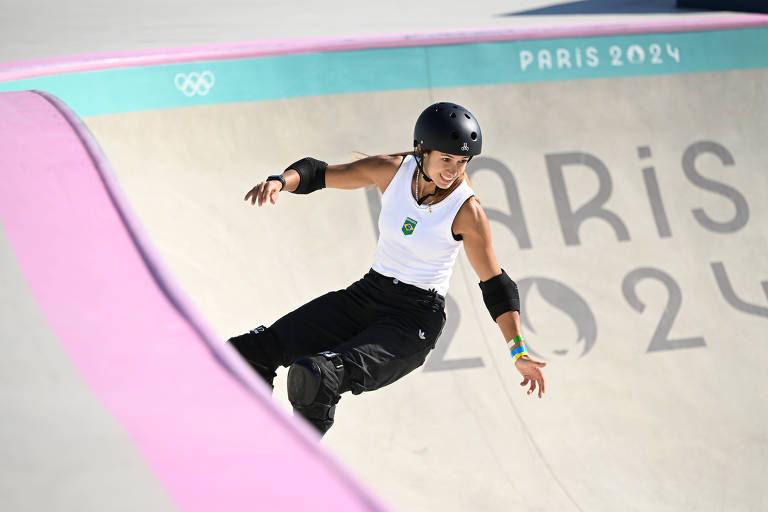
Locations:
(564, 298)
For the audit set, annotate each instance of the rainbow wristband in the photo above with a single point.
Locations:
(519, 352)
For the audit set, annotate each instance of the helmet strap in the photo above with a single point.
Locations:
(420, 163)
(419, 171)
(420, 201)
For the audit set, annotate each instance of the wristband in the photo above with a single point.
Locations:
(514, 341)
(519, 352)
(278, 177)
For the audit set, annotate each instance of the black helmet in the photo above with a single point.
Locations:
(449, 128)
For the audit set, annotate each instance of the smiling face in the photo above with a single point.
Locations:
(444, 169)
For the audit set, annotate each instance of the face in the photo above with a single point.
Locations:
(444, 168)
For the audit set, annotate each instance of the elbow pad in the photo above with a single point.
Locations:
(311, 174)
(500, 295)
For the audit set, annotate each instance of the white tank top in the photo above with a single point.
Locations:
(415, 246)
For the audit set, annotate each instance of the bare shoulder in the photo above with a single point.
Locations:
(382, 169)
(371, 170)
(383, 163)
(471, 219)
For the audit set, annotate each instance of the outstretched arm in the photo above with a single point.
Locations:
(472, 224)
(373, 170)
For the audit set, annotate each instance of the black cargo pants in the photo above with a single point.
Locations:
(381, 328)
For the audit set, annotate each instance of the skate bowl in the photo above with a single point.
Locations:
(625, 174)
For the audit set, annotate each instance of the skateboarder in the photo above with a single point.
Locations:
(382, 327)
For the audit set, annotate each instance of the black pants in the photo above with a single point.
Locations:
(381, 328)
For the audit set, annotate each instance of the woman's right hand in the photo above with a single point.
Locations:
(266, 190)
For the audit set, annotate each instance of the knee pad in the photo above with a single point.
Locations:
(251, 346)
(314, 384)
(304, 379)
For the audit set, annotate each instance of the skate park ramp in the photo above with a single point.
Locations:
(625, 175)
(115, 396)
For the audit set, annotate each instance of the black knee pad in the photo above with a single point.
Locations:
(251, 346)
(314, 384)
(304, 379)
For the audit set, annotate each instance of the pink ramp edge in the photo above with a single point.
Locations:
(39, 67)
(203, 422)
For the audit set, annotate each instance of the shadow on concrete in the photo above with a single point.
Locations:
(606, 7)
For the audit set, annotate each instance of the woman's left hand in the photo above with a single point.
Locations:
(530, 369)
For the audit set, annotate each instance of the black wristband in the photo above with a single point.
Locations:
(311, 174)
(276, 177)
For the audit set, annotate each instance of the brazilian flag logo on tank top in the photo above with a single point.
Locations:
(408, 226)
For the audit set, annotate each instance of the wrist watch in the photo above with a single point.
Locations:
(277, 177)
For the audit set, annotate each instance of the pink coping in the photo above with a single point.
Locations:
(38, 67)
(203, 422)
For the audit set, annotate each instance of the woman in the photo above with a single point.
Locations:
(383, 326)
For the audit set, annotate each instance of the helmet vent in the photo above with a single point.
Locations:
(474, 136)
(455, 135)
(467, 116)
(453, 114)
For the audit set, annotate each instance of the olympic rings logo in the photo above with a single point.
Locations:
(195, 83)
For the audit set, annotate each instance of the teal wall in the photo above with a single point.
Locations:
(266, 78)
